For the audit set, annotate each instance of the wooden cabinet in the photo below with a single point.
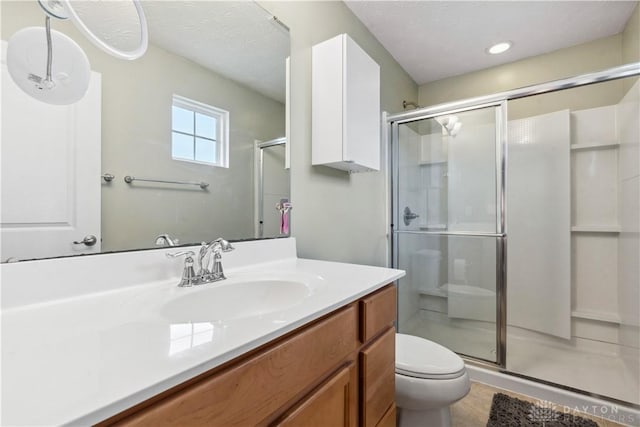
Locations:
(378, 377)
(389, 419)
(332, 404)
(377, 312)
(377, 357)
(335, 371)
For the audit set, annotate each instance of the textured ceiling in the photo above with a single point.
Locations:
(436, 39)
(114, 22)
(237, 39)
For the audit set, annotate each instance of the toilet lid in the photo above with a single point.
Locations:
(421, 358)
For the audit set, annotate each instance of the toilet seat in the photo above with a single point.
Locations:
(420, 358)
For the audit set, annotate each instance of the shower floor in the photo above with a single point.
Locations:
(593, 370)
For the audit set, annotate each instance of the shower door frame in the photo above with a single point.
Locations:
(391, 123)
(500, 233)
(259, 151)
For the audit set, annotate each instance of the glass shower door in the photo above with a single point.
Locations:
(272, 187)
(448, 229)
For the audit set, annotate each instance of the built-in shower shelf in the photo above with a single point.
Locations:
(433, 227)
(596, 228)
(432, 162)
(596, 315)
(434, 292)
(594, 146)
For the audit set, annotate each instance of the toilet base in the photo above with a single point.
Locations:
(429, 418)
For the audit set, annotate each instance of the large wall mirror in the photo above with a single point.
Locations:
(188, 140)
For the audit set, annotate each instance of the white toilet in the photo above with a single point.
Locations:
(429, 378)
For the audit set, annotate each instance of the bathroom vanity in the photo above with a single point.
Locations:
(282, 341)
(331, 372)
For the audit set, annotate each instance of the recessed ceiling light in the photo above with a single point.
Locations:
(499, 48)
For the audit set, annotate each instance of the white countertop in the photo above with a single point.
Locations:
(79, 360)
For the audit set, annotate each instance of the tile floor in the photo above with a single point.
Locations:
(473, 410)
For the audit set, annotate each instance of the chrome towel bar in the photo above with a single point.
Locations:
(129, 179)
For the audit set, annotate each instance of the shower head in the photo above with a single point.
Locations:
(450, 125)
(406, 104)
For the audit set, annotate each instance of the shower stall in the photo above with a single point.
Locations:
(271, 187)
(516, 218)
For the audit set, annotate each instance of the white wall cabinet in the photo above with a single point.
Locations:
(345, 106)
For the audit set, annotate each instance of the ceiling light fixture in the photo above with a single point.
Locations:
(499, 48)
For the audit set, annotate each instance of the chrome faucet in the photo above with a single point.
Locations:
(208, 274)
(165, 239)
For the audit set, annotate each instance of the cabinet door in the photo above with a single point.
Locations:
(378, 378)
(389, 419)
(378, 312)
(333, 404)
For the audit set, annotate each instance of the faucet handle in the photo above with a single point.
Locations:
(189, 254)
(189, 277)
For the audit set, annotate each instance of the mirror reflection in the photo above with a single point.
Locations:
(117, 27)
(196, 125)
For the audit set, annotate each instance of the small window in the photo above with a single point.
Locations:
(199, 132)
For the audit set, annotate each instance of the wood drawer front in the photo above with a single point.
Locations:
(389, 419)
(332, 405)
(377, 311)
(378, 377)
(251, 391)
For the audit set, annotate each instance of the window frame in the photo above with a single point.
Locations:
(222, 130)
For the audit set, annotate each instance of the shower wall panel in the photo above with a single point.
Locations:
(472, 175)
(538, 224)
(628, 130)
(595, 195)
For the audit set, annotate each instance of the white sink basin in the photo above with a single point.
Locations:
(235, 300)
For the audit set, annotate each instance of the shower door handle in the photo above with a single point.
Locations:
(409, 216)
